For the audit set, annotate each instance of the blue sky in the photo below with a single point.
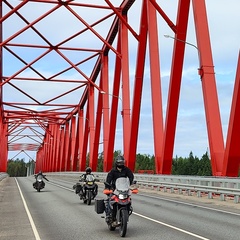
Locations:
(191, 132)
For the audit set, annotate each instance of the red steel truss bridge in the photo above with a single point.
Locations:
(65, 71)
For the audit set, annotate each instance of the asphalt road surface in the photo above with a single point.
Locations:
(57, 213)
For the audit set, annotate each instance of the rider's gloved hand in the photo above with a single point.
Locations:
(107, 191)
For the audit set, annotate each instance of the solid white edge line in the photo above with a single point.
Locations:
(35, 232)
(170, 226)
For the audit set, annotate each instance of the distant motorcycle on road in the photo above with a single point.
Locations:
(88, 190)
(39, 184)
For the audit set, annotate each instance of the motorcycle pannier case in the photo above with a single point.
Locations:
(77, 187)
(99, 206)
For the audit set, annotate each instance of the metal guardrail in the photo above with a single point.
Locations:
(3, 175)
(201, 185)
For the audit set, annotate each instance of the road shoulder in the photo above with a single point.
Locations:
(14, 222)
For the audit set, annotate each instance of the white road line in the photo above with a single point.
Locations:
(162, 223)
(191, 204)
(151, 219)
(60, 186)
(35, 232)
(170, 226)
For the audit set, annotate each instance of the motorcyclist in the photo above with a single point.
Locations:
(39, 174)
(120, 170)
(83, 177)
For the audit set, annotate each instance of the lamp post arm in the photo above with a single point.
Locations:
(110, 94)
(180, 40)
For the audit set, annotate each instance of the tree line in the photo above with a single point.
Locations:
(190, 165)
(17, 168)
(180, 166)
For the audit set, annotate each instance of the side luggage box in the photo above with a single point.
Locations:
(77, 187)
(99, 206)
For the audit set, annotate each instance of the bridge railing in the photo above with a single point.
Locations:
(219, 186)
(3, 175)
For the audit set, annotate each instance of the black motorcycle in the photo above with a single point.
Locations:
(88, 190)
(39, 184)
(120, 203)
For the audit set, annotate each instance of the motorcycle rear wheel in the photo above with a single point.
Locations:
(124, 220)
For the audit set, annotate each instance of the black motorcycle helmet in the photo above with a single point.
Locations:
(119, 161)
(88, 170)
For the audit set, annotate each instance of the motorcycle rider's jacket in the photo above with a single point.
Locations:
(114, 174)
(44, 176)
(84, 176)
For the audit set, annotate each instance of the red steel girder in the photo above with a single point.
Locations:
(132, 147)
(157, 112)
(174, 87)
(231, 161)
(213, 119)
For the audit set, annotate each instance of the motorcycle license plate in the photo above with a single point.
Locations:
(90, 183)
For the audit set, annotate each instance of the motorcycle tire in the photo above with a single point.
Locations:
(89, 197)
(124, 220)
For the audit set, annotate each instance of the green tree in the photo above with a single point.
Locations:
(144, 162)
(190, 165)
(204, 168)
(100, 162)
(16, 168)
(101, 159)
(180, 166)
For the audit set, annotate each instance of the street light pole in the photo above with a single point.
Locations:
(199, 62)
(111, 95)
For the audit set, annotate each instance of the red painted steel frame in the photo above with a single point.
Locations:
(174, 87)
(3, 127)
(114, 107)
(71, 132)
(105, 107)
(126, 113)
(137, 94)
(157, 111)
(231, 158)
(213, 120)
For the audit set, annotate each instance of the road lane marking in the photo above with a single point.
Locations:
(170, 226)
(60, 186)
(166, 199)
(35, 232)
(190, 204)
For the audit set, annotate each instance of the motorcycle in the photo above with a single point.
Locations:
(88, 191)
(39, 184)
(120, 203)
